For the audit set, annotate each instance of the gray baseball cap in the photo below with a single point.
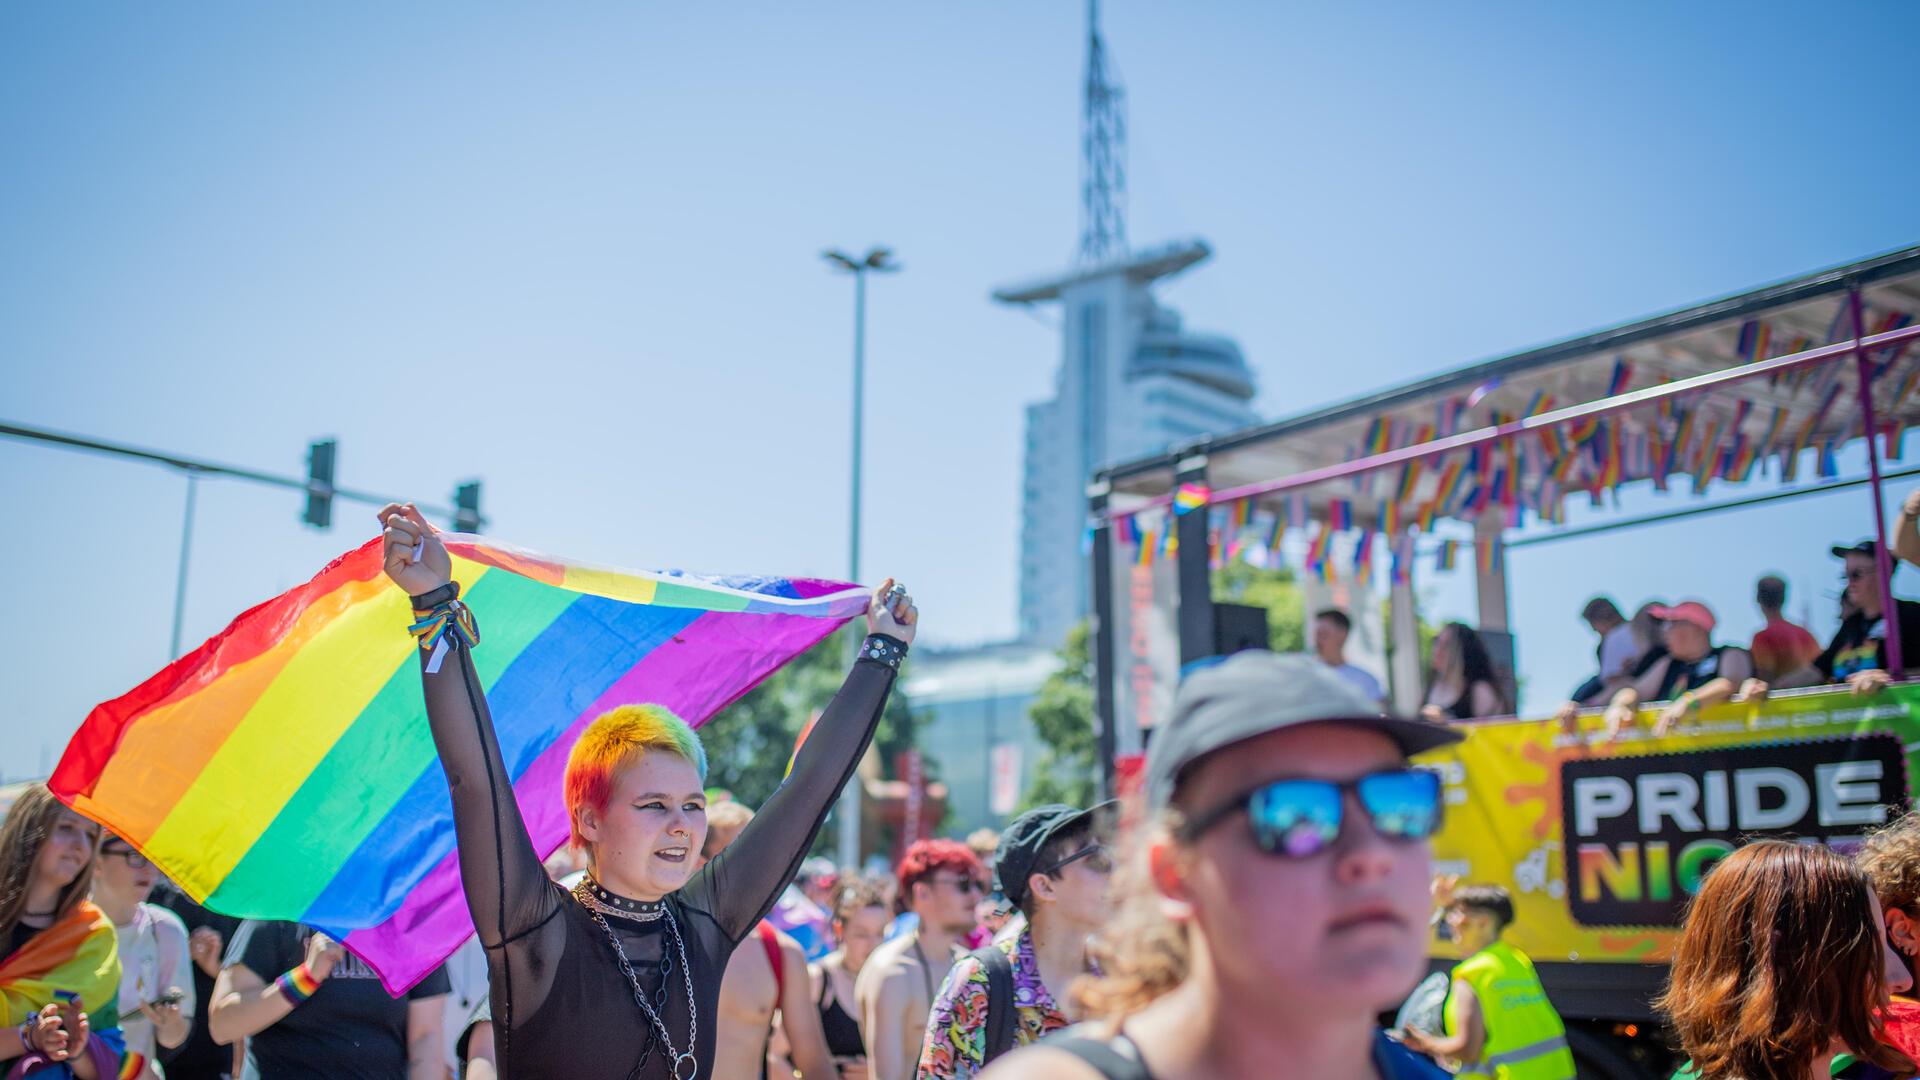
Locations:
(1253, 692)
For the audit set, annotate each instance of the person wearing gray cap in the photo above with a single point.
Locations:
(1281, 895)
(1051, 863)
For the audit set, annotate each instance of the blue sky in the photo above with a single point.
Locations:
(574, 252)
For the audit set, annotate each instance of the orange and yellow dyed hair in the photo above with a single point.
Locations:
(613, 738)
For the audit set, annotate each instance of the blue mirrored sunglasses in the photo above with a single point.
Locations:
(1298, 819)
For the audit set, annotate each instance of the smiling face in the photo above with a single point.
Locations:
(1348, 926)
(646, 841)
(68, 849)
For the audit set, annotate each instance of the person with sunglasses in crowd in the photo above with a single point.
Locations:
(1052, 863)
(940, 881)
(1857, 655)
(1498, 1020)
(1277, 902)
(156, 965)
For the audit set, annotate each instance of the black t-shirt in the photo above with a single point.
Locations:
(1861, 644)
(199, 1058)
(348, 1030)
(17, 939)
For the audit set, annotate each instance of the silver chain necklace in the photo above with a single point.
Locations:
(640, 995)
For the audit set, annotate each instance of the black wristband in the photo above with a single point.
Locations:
(427, 601)
(884, 649)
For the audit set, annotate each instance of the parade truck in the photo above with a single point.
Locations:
(1601, 843)
(1709, 409)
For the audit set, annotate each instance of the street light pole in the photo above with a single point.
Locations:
(881, 260)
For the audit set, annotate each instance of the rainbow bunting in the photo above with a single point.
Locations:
(1773, 429)
(1449, 554)
(1340, 515)
(1363, 558)
(1403, 559)
(1379, 437)
(1190, 497)
(1490, 554)
(1318, 550)
(1480, 392)
(1622, 375)
(1828, 466)
(284, 770)
(1754, 337)
(1148, 545)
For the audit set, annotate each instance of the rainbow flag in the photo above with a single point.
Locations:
(284, 769)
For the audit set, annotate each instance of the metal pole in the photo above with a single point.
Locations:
(1193, 570)
(186, 550)
(1105, 678)
(859, 408)
(1882, 558)
(850, 795)
(1466, 440)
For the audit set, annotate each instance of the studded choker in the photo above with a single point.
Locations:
(592, 894)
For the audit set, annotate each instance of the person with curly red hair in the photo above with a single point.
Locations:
(940, 881)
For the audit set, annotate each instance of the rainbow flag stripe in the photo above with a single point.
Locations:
(284, 769)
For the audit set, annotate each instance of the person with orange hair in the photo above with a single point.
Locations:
(620, 976)
(1782, 965)
(940, 881)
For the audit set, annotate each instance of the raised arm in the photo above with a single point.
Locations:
(740, 885)
(507, 890)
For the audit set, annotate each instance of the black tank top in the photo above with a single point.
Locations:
(562, 1007)
(843, 1031)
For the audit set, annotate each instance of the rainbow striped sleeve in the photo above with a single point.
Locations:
(284, 770)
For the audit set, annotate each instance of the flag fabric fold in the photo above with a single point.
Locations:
(284, 770)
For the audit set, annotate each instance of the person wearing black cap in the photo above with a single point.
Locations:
(1857, 655)
(1052, 864)
(1281, 893)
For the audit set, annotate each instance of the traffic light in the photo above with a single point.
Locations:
(466, 507)
(320, 484)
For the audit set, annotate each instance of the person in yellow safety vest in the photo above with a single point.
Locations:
(1499, 1022)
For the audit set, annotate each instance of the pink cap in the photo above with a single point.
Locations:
(1687, 611)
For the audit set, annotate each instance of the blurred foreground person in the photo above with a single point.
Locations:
(1782, 965)
(1279, 899)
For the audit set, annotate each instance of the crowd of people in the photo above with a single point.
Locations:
(1666, 655)
(1255, 910)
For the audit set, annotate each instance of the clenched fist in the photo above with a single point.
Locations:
(412, 553)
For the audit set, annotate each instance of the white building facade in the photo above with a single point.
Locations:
(1132, 381)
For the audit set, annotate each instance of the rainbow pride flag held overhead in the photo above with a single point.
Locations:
(284, 769)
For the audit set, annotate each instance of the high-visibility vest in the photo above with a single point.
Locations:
(1525, 1038)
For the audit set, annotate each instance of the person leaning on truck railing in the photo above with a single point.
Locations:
(1857, 655)
(1693, 674)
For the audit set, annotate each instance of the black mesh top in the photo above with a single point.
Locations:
(561, 1005)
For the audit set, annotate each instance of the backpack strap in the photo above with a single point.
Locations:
(770, 941)
(1000, 1008)
(1115, 1059)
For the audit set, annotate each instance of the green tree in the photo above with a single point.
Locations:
(1062, 718)
(1275, 590)
(749, 742)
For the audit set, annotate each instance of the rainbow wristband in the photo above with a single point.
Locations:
(297, 985)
